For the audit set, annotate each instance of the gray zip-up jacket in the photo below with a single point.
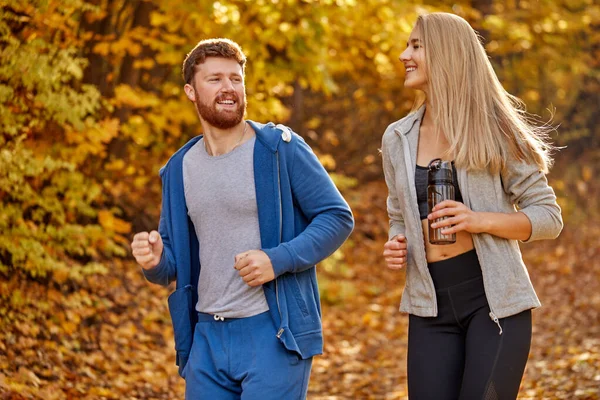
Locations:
(520, 186)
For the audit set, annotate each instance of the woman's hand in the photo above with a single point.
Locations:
(459, 218)
(395, 252)
(515, 225)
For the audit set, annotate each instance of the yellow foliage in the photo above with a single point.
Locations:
(111, 223)
(60, 275)
(115, 165)
(146, 63)
(102, 48)
(126, 95)
(328, 161)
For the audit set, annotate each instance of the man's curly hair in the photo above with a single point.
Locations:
(219, 47)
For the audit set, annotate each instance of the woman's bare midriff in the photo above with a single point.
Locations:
(436, 252)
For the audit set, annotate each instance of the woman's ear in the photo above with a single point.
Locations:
(189, 92)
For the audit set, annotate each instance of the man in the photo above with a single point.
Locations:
(247, 212)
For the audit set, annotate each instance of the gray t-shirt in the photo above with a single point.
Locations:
(221, 200)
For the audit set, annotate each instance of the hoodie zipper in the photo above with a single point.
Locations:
(280, 332)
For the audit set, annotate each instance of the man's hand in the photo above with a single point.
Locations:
(147, 249)
(395, 251)
(254, 267)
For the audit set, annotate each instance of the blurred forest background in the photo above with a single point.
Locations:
(91, 106)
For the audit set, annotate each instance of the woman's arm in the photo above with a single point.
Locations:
(396, 219)
(505, 225)
(530, 192)
(538, 216)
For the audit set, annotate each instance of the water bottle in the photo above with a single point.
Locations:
(440, 187)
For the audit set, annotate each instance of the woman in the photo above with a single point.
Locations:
(469, 302)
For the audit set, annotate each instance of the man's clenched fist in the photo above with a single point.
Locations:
(147, 249)
(254, 267)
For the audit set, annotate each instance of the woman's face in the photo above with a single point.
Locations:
(413, 59)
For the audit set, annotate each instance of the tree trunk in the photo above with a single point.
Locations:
(98, 68)
(485, 7)
(130, 75)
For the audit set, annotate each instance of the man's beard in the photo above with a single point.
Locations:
(221, 119)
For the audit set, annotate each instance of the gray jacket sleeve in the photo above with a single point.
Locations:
(529, 191)
(393, 206)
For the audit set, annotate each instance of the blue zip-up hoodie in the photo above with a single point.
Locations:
(302, 218)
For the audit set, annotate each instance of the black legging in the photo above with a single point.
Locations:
(460, 354)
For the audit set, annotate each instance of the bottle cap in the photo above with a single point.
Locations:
(440, 172)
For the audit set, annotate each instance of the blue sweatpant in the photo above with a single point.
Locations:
(241, 358)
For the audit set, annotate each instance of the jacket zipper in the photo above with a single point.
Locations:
(280, 332)
(410, 175)
(492, 315)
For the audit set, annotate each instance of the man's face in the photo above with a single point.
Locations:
(218, 92)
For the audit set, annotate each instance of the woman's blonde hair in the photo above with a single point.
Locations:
(472, 109)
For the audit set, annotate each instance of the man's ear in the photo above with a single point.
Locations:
(189, 92)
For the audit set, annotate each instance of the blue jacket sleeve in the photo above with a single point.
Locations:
(330, 218)
(166, 270)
